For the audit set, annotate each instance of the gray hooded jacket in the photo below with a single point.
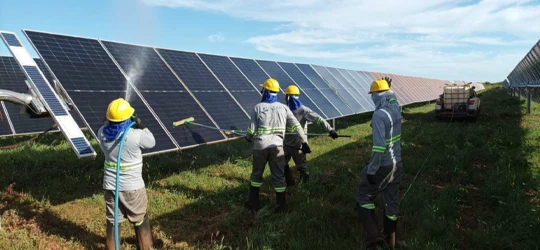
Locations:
(386, 127)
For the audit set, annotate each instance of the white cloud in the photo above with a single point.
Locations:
(216, 38)
(438, 38)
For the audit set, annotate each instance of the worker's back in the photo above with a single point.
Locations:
(131, 158)
(270, 124)
(301, 115)
(390, 119)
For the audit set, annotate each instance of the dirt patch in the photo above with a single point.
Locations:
(534, 196)
(468, 214)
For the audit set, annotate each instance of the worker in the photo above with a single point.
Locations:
(292, 143)
(267, 130)
(133, 200)
(384, 170)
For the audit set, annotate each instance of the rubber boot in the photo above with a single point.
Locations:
(253, 201)
(371, 228)
(304, 177)
(109, 245)
(143, 232)
(281, 200)
(389, 232)
(289, 176)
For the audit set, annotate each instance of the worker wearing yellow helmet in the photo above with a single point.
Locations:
(384, 170)
(269, 119)
(133, 200)
(293, 147)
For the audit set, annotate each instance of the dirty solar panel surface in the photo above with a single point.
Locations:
(206, 88)
(325, 89)
(309, 89)
(252, 71)
(340, 89)
(240, 87)
(92, 80)
(363, 94)
(164, 93)
(350, 88)
(273, 69)
(13, 78)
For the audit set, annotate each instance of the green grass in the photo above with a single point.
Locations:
(478, 189)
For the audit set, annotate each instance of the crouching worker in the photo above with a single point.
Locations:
(133, 201)
(293, 145)
(384, 170)
(267, 129)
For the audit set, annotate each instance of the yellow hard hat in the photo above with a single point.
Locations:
(292, 90)
(271, 84)
(378, 86)
(119, 110)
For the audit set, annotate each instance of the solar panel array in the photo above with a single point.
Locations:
(166, 85)
(527, 71)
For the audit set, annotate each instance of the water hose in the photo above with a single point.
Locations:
(116, 192)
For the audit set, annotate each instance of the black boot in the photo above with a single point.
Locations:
(371, 228)
(389, 231)
(281, 200)
(253, 201)
(304, 177)
(289, 176)
(143, 232)
(109, 245)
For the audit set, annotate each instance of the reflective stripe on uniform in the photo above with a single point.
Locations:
(250, 131)
(280, 189)
(294, 128)
(123, 166)
(393, 99)
(394, 139)
(368, 206)
(139, 223)
(378, 149)
(256, 184)
(390, 176)
(319, 120)
(392, 217)
(270, 130)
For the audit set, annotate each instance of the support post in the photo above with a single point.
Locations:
(334, 124)
(529, 95)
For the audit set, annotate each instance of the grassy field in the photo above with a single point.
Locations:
(479, 189)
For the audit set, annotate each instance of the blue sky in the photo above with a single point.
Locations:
(451, 40)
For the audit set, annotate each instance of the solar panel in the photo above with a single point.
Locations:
(12, 78)
(273, 69)
(350, 88)
(310, 90)
(325, 89)
(237, 84)
(92, 80)
(164, 93)
(221, 106)
(364, 96)
(363, 82)
(340, 89)
(38, 82)
(11, 40)
(252, 71)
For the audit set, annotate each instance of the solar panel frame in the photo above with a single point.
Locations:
(170, 85)
(5, 130)
(326, 89)
(307, 87)
(117, 74)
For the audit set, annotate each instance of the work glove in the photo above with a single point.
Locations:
(371, 179)
(138, 123)
(305, 148)
(333, 134)
(388, 80)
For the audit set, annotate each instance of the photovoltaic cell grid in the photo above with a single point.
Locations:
(527, 71)
(363, 95)
(206, 88)
(325, 89)
(340, 89)
(252, 71)
(11, 40)
(92, 80)
(273, 69)
(350, 88)
(237, 84)
(310, 90)
(164, 93)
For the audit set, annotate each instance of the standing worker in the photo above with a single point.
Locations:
(268, 122)
(133, 201)
(384, 170)
(292, 143)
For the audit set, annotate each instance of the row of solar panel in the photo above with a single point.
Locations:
(167, 85)
(527, 71)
